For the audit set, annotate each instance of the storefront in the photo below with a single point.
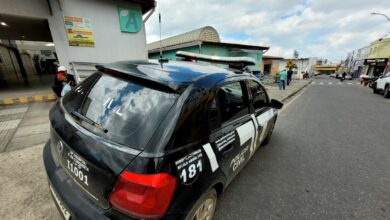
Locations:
(375, 67)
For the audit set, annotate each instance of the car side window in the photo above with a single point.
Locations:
(259, 96)
(232, 103)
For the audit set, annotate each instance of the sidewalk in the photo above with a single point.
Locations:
(282, 95)
(24, 125)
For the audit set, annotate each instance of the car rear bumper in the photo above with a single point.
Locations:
(77, 204)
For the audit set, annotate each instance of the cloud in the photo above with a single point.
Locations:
(316, 28)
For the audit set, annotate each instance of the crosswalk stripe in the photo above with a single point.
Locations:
(7, 125)
(13, 111)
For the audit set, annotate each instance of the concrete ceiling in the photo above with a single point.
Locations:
(24, 28)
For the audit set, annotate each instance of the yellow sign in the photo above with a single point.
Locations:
(290, 63)
(79, 31)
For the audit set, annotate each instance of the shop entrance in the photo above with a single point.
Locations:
(28, 57)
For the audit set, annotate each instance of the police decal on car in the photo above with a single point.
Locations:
(210, 154)
(190, 166)
(246, 132)
(263, 120)
(238, 159)
(225, 140)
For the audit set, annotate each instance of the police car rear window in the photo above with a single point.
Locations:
(129, 111)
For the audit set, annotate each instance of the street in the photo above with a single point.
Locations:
(329, 158)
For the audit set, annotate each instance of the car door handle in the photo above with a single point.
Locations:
(226, 151)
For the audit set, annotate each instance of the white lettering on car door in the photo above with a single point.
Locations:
(263, 120)
(247, 132)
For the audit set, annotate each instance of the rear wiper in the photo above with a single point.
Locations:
(89, 121)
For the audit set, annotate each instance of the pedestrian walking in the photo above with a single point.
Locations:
(63, 80)
(289, 76)
(282, 81)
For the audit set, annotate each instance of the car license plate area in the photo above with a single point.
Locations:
(77, 167)
(81, 171)
(65, 213)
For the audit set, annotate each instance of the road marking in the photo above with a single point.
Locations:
(321, 83)
(313, 83)
(51, 97)
(8, 101)
(38, 98)
(13, 111)
(330, 83)
(7, 125)
(210, 154)
(349, 83)
(23, 99)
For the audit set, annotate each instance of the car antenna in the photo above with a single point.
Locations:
(161, 60)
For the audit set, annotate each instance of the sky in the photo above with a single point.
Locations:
(326, 29)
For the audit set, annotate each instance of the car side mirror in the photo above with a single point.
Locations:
(276, 104)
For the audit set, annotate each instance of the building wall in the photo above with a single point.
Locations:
(9, 68)
(380, 49)
(110, 43)
(275, 66)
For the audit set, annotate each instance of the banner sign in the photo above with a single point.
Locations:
(130, 19)
(79, 31)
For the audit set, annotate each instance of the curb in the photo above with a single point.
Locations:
(29, 99)
(295, 92)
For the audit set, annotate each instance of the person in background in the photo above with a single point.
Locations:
(283, 77)
(62, 79)
(289, 76)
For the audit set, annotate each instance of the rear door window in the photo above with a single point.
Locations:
(130, 111)
(232, 102)
(259, 96)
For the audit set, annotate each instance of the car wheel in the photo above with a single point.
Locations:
(374, 90)
(204, 208)
(269, 135)
(386, 93)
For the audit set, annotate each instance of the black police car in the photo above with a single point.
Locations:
(154, 140)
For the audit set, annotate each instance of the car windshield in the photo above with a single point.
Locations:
(128, 111)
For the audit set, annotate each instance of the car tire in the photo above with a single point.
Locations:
(374, 90)
(269, 135)
(386, 92)
(204, 208)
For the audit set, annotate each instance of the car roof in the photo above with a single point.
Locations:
(177, 75)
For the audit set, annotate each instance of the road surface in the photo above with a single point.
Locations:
(329, 158)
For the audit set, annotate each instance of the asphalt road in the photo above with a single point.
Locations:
(329, 158)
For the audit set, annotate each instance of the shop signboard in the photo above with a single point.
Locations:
(79, 31)
(376, 61)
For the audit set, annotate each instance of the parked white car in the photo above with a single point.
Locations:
(383, 85)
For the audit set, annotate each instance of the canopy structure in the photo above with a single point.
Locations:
(207, 33)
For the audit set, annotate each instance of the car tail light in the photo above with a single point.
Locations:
(143, 195)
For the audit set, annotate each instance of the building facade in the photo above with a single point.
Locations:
(206, 41)
(78, 32)
(377, 61)
(271, 65)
